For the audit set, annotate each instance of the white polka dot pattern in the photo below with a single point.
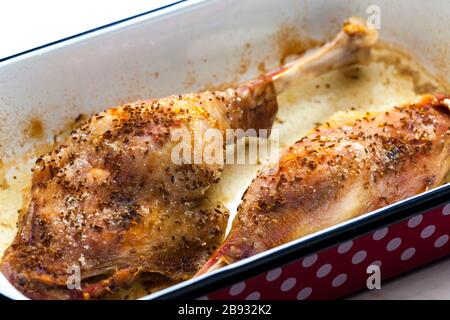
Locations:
(237, 288)
(309, 261)
(335, 271)
(380, 234)
(407, 254)
(339, 280)
(441, 241)
(324, 270)
(274, 274)
(446, 210)
(345, 247)
(415, 221)
(393, 244)
(359, 257)
(376, 263)
(288, 284)
(304, 293)
(427, 232)
(254, 296)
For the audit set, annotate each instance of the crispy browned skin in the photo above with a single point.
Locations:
(342, 170)
(111, 201)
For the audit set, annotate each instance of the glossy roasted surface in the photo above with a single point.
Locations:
(342, 169)
(112, 202)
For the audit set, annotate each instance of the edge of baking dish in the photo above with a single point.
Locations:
(166, 9)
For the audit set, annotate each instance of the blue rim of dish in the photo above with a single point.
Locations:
(92, 30)
(280, 256)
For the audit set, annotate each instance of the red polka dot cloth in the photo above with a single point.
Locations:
(343, 269)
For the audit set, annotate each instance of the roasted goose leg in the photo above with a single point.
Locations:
(112, 202)
(341, 170)
(351, 45)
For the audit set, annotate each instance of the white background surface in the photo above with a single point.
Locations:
(28, 24)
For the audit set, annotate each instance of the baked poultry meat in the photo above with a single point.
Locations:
(341, 170)
(110, 206)
(111, 201)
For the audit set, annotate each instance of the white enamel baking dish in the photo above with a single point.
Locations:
(185, 47)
